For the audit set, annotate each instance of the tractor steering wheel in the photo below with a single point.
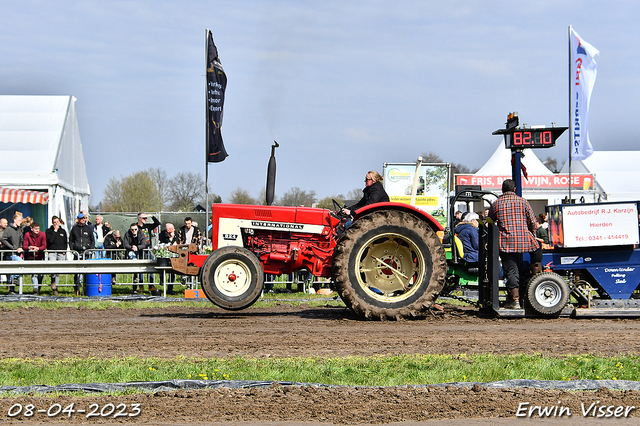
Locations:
(337, 213)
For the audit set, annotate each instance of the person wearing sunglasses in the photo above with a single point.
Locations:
(373, 193)
(134, 242)
(146, 231)
(80, 240)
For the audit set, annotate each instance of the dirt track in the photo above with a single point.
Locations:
(303, 331)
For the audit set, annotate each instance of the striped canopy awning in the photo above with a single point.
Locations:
(14, 195)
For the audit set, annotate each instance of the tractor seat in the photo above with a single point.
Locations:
(459, 247)
(471, 268)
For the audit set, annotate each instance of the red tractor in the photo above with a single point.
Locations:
(388, 264)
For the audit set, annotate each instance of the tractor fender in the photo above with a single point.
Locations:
(420, 214)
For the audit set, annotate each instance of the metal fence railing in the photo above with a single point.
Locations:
(123, 270)
(302, 280)
(95, 261)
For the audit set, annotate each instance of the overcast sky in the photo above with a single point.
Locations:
(343, 86)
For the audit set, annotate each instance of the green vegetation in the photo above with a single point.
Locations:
(269, 300)
(354, 371)
(89, 303)
(124, 288)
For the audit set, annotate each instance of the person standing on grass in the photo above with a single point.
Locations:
(34, 246)
(100, 230)
(56, 247)
(12, 242)
(169, 236)
(3, 225)
(146, 231)
(134, 242)
(114, 244)
(80, 240)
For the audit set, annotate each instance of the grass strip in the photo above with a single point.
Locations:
(352, 371)
(100, 304)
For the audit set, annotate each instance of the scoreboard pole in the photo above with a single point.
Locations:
(570, 111)
(516, 166)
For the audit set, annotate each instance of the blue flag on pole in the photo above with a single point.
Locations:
(582, 78)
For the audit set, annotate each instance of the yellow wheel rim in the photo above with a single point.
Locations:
(390, 267)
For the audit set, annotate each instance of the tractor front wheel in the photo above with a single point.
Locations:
(232, 278)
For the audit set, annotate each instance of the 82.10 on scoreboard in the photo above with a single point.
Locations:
(541, 137)
(517, 138)
(531, 138)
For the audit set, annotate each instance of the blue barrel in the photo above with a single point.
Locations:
(98, 285)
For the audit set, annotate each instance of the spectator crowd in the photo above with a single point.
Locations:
(24, 240)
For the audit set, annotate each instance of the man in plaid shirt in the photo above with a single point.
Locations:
(516, 222)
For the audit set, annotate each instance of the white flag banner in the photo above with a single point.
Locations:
(583, 76)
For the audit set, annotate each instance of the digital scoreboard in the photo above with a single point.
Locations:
(533, 138)
(517, 138)
(530, 137)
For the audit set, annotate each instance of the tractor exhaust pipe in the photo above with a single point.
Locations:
(271, 174)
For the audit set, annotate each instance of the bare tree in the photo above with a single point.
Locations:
(431, 157)
(327, 202)
(552, 164)
(136, 192)
(241, 196)
(298, 197)
(95, 207)
(262, 198)
(456, 168)
(186, 190)
(159, 177)
(354, 194)
(214, 198)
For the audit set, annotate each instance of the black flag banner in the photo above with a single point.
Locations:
(216, 85)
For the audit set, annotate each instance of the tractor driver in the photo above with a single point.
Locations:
(373, 193)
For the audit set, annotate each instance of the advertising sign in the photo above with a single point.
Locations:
(589, 225)
(432, 185)
(561, 181)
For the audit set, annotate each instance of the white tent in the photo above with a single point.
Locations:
(41, 150)
(500, 163)
(616, 173)
(542, 188)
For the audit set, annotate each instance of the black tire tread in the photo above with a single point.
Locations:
(545, 311)
(341, 266)
(246, 256)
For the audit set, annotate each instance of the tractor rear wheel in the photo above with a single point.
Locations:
(232, 278)
(389, 265)
(547, 294)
